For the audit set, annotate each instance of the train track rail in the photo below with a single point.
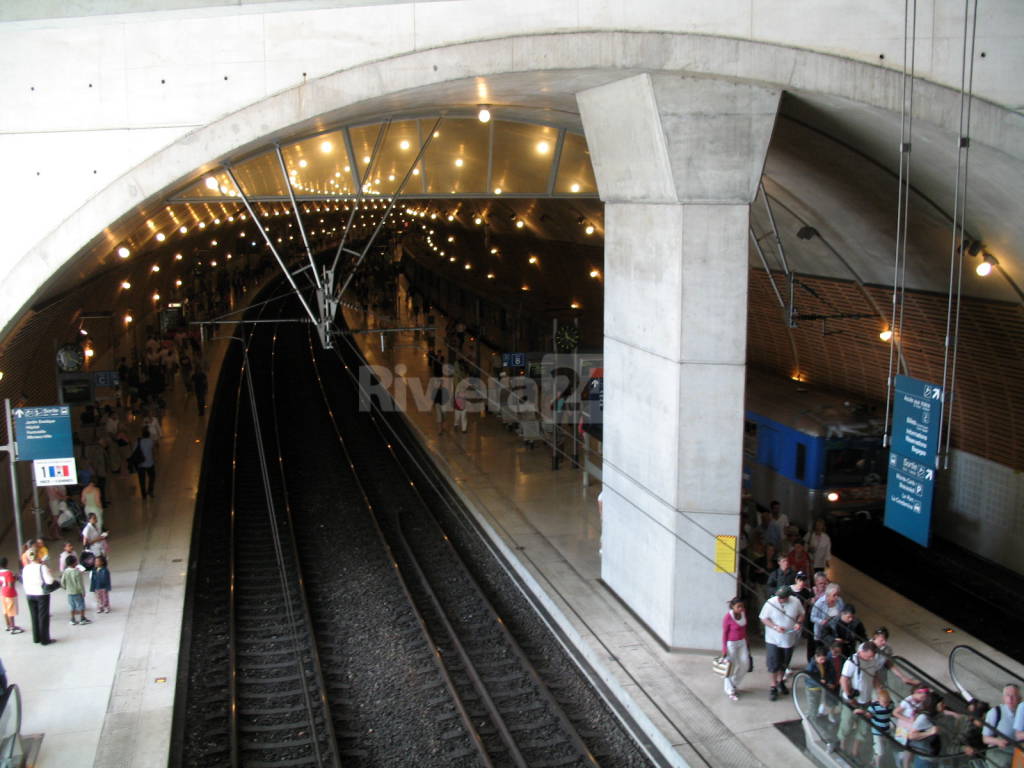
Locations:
(331, 603)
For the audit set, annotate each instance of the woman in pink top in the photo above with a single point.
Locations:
(734, 646)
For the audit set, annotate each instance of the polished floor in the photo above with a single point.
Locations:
(103, 694)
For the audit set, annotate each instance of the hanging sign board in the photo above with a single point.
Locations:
(43, 432)
(913, 458)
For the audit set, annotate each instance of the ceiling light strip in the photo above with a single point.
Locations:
(298, 215)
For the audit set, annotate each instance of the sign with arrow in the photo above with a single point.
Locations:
(43, 432)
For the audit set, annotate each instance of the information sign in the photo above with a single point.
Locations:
(106, 379)
(725, 554)
(913, 458)
(908, 503)
(43, 432)
(55, 472)
(915, 421)
(513, 359)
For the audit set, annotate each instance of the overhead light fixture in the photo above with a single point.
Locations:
(543, 147)
(590, 229)
(594, 273)
(211, 183)
(984, 267)
(155, 268)
(533, 259)
(126, 285)
(484, 115)
(478, 221)
(490, 275)
(123, 252)
(574, 305)
(885, 335)
(520, 223)
(326, 147)
(160, 237)
(574, 187)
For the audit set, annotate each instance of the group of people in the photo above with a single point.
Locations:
(850, 668)
(75, 573)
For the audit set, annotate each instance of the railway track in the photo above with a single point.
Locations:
(346, 624)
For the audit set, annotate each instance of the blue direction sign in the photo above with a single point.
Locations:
(908, 501)
(513, 359)
(915, 420)
(43, 432)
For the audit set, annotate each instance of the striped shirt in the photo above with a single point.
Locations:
(881, 716)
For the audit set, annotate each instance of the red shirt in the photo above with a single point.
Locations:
(7, 584)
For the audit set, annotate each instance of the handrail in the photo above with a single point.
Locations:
(826, 716)
(11, 753)
(985, 687)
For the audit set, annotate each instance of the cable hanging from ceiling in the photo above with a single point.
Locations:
(903, 202)
(958, 238)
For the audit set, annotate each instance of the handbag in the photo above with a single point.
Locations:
(721, 666)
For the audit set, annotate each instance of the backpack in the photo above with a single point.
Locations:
(136, 457)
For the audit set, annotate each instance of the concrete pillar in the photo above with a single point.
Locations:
(677, 161)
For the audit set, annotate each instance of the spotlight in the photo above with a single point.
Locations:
(885, 335)
(484, 115)
(984, 268)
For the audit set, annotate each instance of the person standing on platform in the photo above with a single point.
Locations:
(199, 385)
(819, 546)
(100, 584)
(9, 595)
(783, 576)
(92, 538)
(734, 646)
(36, 577)
(92, 501)
(147, 467)
(97, 458)
(71, 580)
(152, 423)
(782, 617)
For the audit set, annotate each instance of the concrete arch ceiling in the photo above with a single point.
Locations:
(831, 162)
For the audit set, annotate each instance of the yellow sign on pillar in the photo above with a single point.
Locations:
(725, 554)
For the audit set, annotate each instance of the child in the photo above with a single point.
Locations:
(822, 694)
(71, 580)
(9, 593)
(69, 551)
(100, 584)
(880, 714)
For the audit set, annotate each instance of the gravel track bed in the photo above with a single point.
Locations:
(388, 701)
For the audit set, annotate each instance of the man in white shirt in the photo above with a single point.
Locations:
(1002, 724)
(782, 616)
(857, 683)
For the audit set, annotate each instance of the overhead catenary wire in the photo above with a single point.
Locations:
(958, 237)
(903, 201)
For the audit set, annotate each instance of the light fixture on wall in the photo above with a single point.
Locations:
(885, 335)
(984, 267)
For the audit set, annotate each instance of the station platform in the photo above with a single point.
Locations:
(103, 694)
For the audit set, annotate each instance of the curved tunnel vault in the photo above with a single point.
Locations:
(821, 171)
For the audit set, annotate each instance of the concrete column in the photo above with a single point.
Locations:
(677, 161)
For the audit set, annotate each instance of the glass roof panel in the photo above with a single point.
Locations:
(216, 184)
(455, 163)
(260, 176)
(398, 149)
(575, 173)
(318, 166)
(523, 154)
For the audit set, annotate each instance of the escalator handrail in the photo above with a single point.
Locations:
(1007, 674)
(837, 747)
(11, 692)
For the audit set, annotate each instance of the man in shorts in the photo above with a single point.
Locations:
(782, 616)
(9, 597)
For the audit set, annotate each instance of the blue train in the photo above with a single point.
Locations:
(817, 453)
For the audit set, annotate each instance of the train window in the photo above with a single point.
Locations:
(854, 463)
(801, 462)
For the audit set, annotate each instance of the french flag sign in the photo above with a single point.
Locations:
(55, 472)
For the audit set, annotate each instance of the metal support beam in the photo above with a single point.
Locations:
(270, 244)
(298, 215)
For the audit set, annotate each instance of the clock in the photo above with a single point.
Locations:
(567, 338)
(70, 358)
